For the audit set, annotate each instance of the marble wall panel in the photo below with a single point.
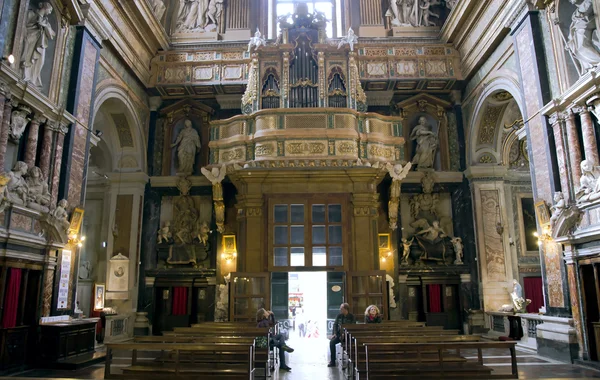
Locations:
(20, 222)
(86, 84)
(552, 253)
(78, 160)
(575, 305)
(494, 251)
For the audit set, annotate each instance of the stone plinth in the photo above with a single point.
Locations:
(411, 31)
(194, 38)
(557, 339)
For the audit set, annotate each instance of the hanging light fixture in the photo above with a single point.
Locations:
(115, 229)
(499, 224)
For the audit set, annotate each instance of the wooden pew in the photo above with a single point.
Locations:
(357, 354)
(262, 357)
(417, 361)
(185, 361)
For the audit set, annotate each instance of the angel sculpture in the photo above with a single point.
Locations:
(215, 175)
(398, 172)
(164, 234)
(256, 41)
(350, 40)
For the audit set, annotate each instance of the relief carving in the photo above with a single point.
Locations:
(199, 16)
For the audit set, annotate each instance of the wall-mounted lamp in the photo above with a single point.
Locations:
(228, 257)
(10, 59)
(99, 133)
(385, 255)
(76, 240)
(229, 249)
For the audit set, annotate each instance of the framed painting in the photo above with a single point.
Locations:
(99, 291)
(384, 242)
(76, 219)
(543, 213)
(229, 243)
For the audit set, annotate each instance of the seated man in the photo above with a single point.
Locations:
(343, 318)
(265, 318)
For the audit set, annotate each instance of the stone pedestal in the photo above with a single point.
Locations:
(557, 339)
(193, 38)
(411, 31)
(141, 325)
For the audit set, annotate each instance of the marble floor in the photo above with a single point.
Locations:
(309, 361)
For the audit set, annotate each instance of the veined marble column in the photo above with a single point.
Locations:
(61, 131)
(4, 94)
(590, 147)
(46, 153)
(32, 140)
(574, 148)
(4, 131)
(556, 122)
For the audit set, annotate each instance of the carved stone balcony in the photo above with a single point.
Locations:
(307, 137)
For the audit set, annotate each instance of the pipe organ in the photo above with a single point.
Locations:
(302, 71)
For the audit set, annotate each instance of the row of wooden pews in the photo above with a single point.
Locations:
(211, 350)
(406, 349)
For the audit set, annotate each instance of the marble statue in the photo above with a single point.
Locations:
(350, 39)
(584, 39)
(203, 231)
(256, 41)
(39, 196)
(431, 233)
(458, 249)
(192, 16)
(412, 12)
(164, 234)
(589, 186)
(186, 216)
(188, 145)
(427, 143)
(61, 215)
(85, 270)
(158, 8)
(38, 33)
(406, 250)
(215, 10)
(398, 172)
(516, 295)
(558, 207)
(215, 176)
(451, 4)
(17, 190)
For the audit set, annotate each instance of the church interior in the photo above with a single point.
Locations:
(170, 168)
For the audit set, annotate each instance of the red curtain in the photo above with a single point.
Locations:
(11, 302)
(180, 296)
(434, 295)
(535, 292)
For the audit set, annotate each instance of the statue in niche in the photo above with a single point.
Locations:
(412, 12)
(60, 214)
(158, 8)
(584, 39)
(16, 190)
(38, 197)
(164, 234)
(38, 32)
(193, 17)
(188, 145)
(427, 143)
(589, 186)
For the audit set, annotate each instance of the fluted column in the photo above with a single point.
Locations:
(574, 148)
(32, 140)
(61, 130)
(557, 122)
(4, 131)
(590, 147)
(46, 153)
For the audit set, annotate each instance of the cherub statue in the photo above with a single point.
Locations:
(215, 175)
(398, 172)
(558, 207)
(61, 215)
(406, 249)
(426, 12)
(203, 231)
(256, 41)
(164, 234)
(349, 40)
(458, 249)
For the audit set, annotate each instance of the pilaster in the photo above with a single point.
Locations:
(364, 230)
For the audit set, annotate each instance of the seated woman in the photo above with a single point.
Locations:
(265, 318)
(372, 314)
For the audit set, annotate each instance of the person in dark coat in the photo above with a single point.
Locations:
(265, 318)
(343, 318)
(372, 314)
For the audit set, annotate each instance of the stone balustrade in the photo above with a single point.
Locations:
(307, 137)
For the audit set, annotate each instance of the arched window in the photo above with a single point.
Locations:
(331, 8)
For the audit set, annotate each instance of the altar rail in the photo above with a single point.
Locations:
(499, 325)
(321, 134)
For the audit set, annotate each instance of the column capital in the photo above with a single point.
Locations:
(4, 89)
(154, 103)
(579, 109)
(38, 118)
